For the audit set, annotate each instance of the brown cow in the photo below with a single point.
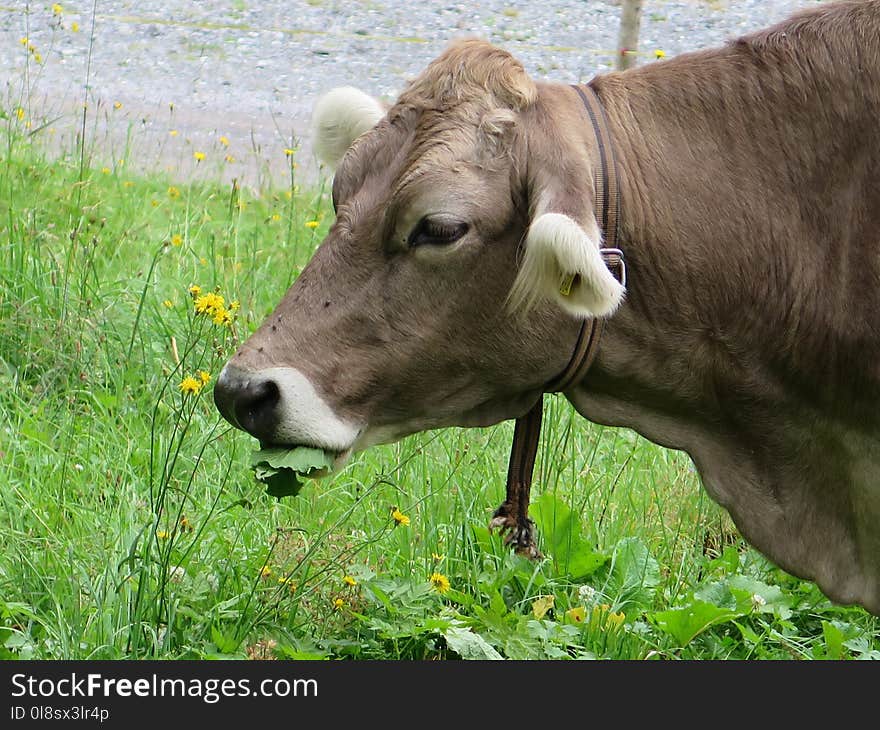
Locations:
(749, 335)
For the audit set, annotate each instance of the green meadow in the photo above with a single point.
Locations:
(133, 527)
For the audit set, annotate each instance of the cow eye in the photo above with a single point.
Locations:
(436, 232)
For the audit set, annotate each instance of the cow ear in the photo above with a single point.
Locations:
(561, 259)
(339, 118)
(562, 262)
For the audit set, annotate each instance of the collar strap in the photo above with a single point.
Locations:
(528, 427)
(607, 208)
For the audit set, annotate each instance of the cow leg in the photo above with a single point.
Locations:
(512, 520)
(512, 517)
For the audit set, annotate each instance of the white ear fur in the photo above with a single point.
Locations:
(340, 117)
(561, 256)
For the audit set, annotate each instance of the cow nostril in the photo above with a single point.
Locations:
(255, 409)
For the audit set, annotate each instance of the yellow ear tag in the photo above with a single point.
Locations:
(567, 283)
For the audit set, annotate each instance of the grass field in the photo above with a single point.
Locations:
(132, 525)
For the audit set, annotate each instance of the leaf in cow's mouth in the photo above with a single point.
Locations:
(280, 468)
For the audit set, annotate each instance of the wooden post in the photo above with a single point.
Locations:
(630, 20)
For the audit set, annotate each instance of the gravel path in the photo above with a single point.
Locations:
(168, 79)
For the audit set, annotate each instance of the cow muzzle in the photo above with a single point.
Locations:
(281, 407)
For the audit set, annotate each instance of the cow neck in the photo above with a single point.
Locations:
(527, 430)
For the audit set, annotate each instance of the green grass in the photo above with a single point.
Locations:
(132, 525)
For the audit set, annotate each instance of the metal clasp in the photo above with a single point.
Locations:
(614, 258)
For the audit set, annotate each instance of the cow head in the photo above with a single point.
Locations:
(435, 298)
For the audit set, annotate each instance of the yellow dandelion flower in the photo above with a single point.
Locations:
(173, 192)
(289, 152)
(209, 303)
(349, 581)
(128, 184)
(154, 203)
(195, 290)
(163, 534)
(542, 605)
(38, 57)
(265, 572)
(176, 240)
(117, 105)
(204, 376)
(221, 317)
(437, 558)
(57, 9)
(74, 27)
(173, 132)
(190, 386)
(185, 524)
(312, 224)
(19, 113)
(615, 621)
(338, 604)
(601, 617)
(203, 261)
(659, 53)
(576, 615)
(229, 158)
(234, 305)
(25, 41)
(276, 217)
(199, 156)
(105, 170)
(217, 302)
(288, 194)
(224, 140)
(201, 303)
(168, 303)
(439, 582)
(399, 518)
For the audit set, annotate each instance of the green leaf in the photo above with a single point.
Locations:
(834, 638)
(726, 564)
(483, 538)
(280, 469)
(459, 598)
(718, 594)
(861, 647)
(469, 645)
(634, 576)
(438, 625)
(763, 598)
(685, 624)
(497, 605)
(279, 483)
(301, 459)
(748, 635)
(560, 531)
(225, 644)
(291, 653)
